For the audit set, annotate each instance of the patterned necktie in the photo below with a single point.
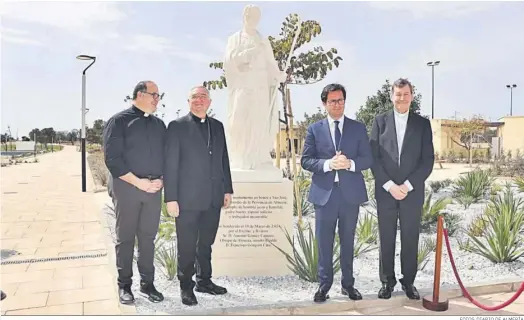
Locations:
(338, 136)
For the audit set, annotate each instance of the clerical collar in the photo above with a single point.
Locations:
(402, 115)
(198, 119)
(139, 112)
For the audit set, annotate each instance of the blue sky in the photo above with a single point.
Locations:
(480, 46)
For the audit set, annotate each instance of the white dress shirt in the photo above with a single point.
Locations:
(401, 122)
(331, 122)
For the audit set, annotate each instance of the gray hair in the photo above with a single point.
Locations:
(199, 87)
(401, 83)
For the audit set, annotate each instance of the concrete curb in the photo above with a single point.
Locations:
(101, 200)
(369, 301)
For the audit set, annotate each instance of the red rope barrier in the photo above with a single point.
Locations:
(465, 292)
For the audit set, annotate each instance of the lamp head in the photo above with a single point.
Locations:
(85, 57)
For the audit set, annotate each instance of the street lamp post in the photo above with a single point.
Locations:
(510, 87)
(432, 64)
(84, 111)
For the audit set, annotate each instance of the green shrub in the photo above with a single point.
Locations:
(424, 252)
(431, 211)
(367, 229)
(465, 201)
(504, 227)
(438, 185)
(166, 257)
(366, 235)
(303, 261)
(473, 185)
(519, 181)
(302, 182)
(452, 222)
(477, 225)
(372, 202)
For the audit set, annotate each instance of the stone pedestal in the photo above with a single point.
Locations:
(262, 204)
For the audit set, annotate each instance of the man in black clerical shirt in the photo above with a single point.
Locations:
(134, 142)
(197, 182)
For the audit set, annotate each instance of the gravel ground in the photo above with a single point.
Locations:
(270, 290)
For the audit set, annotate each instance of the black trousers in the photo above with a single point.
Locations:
(137, 215)
(409, 214)
(196, 232)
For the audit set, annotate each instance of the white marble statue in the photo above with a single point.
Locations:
(252, 75)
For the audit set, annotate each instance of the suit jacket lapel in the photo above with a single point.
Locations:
(393, 134)
(410, 127)
(327, 134)
(345, 131)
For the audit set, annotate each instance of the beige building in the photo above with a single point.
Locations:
(280, 140)
(509, 136)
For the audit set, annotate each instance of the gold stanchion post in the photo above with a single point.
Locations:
(435, 302)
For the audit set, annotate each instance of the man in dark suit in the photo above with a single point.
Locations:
(402, 144)
(134, 155)
(197, 184)
(336, 151)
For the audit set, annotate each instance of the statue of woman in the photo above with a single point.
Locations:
(252, 76)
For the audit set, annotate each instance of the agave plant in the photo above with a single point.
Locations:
(438, 185)
(453, 221)
(366, 235)
(303, 261)
(431, 211)
(464, 200)
(302, 183)
(502, 240)
(424, 252)
(478, 225)
(372, 202)
(166, 257)
(519, 181)
(367, 229)
(474, 184)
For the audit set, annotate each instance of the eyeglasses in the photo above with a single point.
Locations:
(155, 95)
(199, 96)
(334, 102)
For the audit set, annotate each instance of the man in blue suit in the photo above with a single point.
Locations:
(336, 151)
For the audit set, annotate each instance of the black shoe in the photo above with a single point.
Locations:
(352, 293)
(188, 297)
(125, 294)
(2, 295)
(321, 296)
(385, 291)
(149, 290)
(411, 291)
(211, 288)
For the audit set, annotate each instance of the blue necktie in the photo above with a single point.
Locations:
(338, 136)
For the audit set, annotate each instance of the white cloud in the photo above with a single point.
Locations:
(443, 9)
(63, 14)
(86, 25)
(19, 37)
(150, 44)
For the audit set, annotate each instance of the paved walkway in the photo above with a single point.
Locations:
(457, 307)
(45, 215)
